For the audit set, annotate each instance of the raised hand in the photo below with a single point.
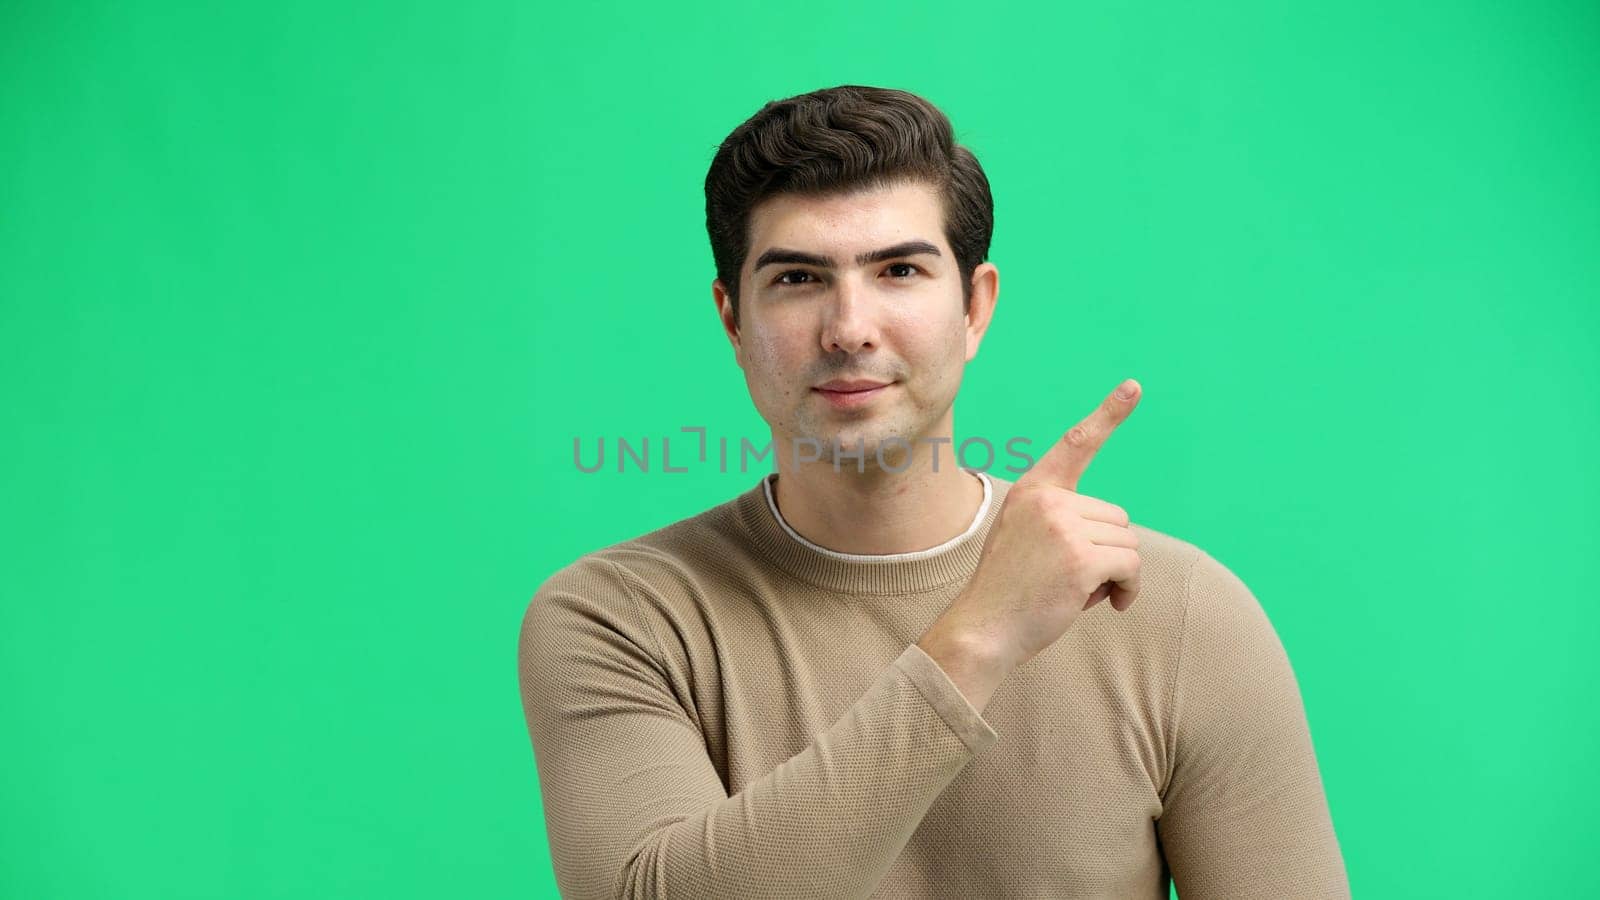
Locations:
(1052, 552)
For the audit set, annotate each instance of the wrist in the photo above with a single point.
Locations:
(975, 662)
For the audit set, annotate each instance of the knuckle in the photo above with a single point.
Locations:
(1018, 499)
(1073, 547)
(1035, 499)
(1079, 435)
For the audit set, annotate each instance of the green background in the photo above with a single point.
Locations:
(302, 305)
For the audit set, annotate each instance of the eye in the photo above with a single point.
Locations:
(783, 275)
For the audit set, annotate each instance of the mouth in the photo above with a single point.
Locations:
(851, 394)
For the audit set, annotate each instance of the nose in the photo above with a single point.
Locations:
(848, 326)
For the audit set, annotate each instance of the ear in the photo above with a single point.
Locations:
(725, 314)
(985, 292)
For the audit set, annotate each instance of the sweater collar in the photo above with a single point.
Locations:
(757, 516)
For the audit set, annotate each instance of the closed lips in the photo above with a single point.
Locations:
(850, 386)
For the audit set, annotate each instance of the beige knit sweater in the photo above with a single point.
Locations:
(720, 708)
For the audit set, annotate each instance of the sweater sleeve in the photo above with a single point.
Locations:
(1244, 813)
(634, 807)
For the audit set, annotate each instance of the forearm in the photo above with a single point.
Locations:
(834, 817)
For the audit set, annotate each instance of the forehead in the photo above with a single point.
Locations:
(841, 225)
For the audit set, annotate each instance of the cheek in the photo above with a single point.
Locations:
(936, 358)
(931, 345)
(771, 363)
(770, 352)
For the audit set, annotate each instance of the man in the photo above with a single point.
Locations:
(873, 674)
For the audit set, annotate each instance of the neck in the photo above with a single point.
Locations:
(878, 511)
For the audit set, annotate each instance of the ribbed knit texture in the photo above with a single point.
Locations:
(720, 710)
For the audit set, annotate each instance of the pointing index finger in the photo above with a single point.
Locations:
(1065, 462)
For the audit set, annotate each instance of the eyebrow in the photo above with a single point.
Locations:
(781, 255)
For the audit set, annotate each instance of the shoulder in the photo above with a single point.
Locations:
(1208, 596)
(622, 578)
(1219, 602)
(1222, 631)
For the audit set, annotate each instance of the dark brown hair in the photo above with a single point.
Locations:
(838, 140)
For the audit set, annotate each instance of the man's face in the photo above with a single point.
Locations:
(815, 308)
